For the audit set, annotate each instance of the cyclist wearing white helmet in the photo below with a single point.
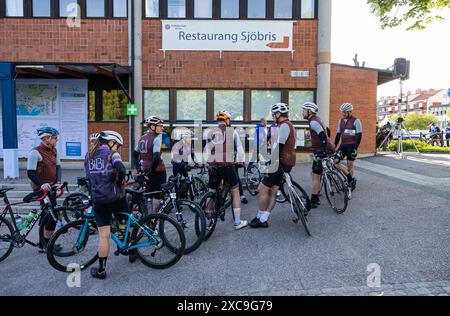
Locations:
(222, 144)
(44, 170)
(320, 143)
(349, 133)
(106, 173)
(284, 145)
(147, 158)
(181, 151)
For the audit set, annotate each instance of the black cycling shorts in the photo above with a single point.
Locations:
(317, 167)
(155, 182)
(346, 151)
(103, 212)
(179, 168)
(276, 178)
(227, 173)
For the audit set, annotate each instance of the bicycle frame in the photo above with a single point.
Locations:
(292, 193)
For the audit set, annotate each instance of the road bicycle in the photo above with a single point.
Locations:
(298, 200)
(191, 186)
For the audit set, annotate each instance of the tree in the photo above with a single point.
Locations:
(393, 13)
(419, 121)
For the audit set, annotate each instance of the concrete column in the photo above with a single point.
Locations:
(138, 99)
(324, 60)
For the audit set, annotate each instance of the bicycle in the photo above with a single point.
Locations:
(187, 213)
(155, 233)
(12, 237)
(191, 187)
(335, 187)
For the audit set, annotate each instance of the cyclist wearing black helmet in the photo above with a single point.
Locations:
(44, 170)
(285, 145)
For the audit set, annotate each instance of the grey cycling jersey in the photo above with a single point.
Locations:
(316, 127)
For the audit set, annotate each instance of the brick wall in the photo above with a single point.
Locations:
(120, 127)
(51, 40)
(195, 69)
(359, 87)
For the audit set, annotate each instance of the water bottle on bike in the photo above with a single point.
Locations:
(19, 222)
(29, 218)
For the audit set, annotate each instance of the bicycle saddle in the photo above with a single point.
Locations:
(4, 190)
(168, 186)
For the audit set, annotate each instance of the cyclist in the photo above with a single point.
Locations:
(221, 151)
(283, 143)
(148, 153)
(180, 154)
(349, 132)
(106, 173)
(44, 171)
(320, 144)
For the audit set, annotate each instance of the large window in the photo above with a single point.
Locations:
(191, 105)
(296, 100)
(41, 8)
(229, 9)
(67, 7)
(203, 9)
(262, 101)
(256, 9)
(176, 8)
(14, 8)
(230, 100)
(95, 8)
(283, 9)
(156, 102)
(114, 105)
(91, 115)
(120, 8)
(308, 9)
(152, 8)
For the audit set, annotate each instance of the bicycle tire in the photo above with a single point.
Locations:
(252, 176)
(4, 223)
(339, 184)
(210, 223)
(304, 196)
(53, 257)
(198, 225)
(282, 198)
(178, 252)
(301, 215)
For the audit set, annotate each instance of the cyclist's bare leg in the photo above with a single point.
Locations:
(156, 205)
(48, 233)
(236, 205)
(264, 197)
(340, 166)
(351, 167)
(103, 241)
(316, 183)
(273, 196)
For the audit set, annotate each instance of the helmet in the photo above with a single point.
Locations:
(153, 120)
(346, 107)
(94, 136)
(111, 135)
(310, 106)
(47, 131)
(280, 108)
(223, 115)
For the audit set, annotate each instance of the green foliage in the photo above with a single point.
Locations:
(423, 147)
(419, 121)
(393, 13)
(114, 105)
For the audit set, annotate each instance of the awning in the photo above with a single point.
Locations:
(69, 70)
(384, 75)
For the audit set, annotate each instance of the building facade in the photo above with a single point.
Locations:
(124, 52)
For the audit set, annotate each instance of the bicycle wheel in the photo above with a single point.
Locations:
(336, 192)
(252, 180)
(300, 211)
(197, 190)
(208, 203)
(6, 244)
(281, 194)
(302, 195)
(192, 219)
(69, 249)
(163, 238)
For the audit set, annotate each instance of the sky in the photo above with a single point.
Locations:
(356, 30)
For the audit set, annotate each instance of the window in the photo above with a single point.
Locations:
(229, 9)
(203, 9)
(256, 9)
(95, 8)
(120, 8)
(262, 101)
(156, 102)
(283, 9)
(67, 7)
(230, 100)
(114, 105)
(41, 8)
(14, 7)
(308, 9)
(91, 115)
(191, 105)
(296, 100)
(176, 8)
(152, 8)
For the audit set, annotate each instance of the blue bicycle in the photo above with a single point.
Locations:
(158, 239)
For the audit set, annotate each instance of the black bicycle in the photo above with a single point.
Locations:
(191, 187)
(13, 235)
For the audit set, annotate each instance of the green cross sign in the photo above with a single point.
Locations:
(132, 109)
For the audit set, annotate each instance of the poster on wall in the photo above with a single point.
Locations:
(61, 104)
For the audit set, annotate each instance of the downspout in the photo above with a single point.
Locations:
(131, 79)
